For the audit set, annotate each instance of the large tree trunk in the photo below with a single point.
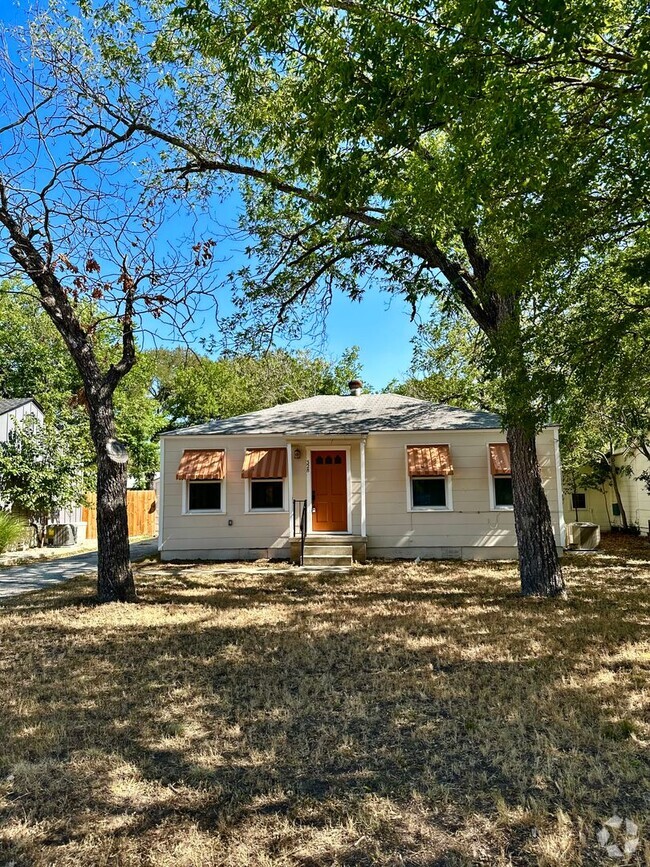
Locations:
(539, 566)
(114, 574)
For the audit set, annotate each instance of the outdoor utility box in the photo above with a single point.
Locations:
(63, 535)
(583, 536)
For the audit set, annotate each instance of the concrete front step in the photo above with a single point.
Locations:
(318, 549)
(320, 560)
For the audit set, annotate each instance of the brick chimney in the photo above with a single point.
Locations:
(355, 386)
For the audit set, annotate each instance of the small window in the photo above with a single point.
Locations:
(578, 501)
(616, 510)
(319, 460)
(267, 494)
(204, 496)
(429, 493)
(502, 491)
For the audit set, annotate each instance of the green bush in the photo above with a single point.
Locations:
(12, 530)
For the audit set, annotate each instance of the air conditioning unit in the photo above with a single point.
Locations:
(582, 536)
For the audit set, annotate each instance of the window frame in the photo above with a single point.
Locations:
(491, 478)
(186, 497)
(445, 508)
(582, 494)
(501, 506)
(248, 497)
(449, 507)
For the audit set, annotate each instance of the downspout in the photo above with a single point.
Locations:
(362, 448)
(558, 470)
(290, 488)
(161, 494)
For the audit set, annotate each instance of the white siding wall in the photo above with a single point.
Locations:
(8, 419)
(472, 529)
(8, 423)
(209, 536)
(634, 494)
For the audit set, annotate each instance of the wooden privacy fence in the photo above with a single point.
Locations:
(141, 509)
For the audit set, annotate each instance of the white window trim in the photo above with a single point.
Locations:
(248, 509)
(449, 507)
(186, 498)
(491, 478)
(496, 508)
(409, 486)
(580, 508)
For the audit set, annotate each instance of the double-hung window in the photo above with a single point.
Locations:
(429, 478)
(500, 476)
(265, 472)
(202, 472)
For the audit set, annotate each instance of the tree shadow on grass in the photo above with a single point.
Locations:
(322, 726)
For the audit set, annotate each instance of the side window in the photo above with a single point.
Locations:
(203, 473)
(502, 491)
(204, 496)
(429, 493)
(500, 476)
(265, 474)
(267, 493)
(578, 500)
(429, 470)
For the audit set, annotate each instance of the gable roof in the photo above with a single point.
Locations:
(335, 415)
(7, 404)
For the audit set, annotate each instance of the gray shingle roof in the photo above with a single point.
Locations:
(9, 403)
(333, 415)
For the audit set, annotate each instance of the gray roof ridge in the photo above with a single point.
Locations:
(347, 413)
(9, 403)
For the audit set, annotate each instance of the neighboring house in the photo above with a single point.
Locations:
(15, 410)
(388, 475)
(600, 506)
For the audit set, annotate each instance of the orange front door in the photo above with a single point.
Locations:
(329, 494)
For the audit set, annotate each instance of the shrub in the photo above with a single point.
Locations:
(12, 530)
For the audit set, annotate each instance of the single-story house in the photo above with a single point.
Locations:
(377, 475)
(601, 507)
(16, 410)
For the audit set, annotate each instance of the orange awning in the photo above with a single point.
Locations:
(202, 464)
(265, 464)
(500, 459)
(429, 461)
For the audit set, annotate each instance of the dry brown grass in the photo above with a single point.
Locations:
(401, 715)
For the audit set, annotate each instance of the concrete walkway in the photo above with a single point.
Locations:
(37, 575)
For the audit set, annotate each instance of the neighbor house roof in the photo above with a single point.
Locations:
(7, 404)
(334, 415)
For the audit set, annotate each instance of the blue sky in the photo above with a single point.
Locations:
(379, 324)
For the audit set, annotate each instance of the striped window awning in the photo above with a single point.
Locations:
(500, 459)
(265, 464)
(202, 464)
(429, 461)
